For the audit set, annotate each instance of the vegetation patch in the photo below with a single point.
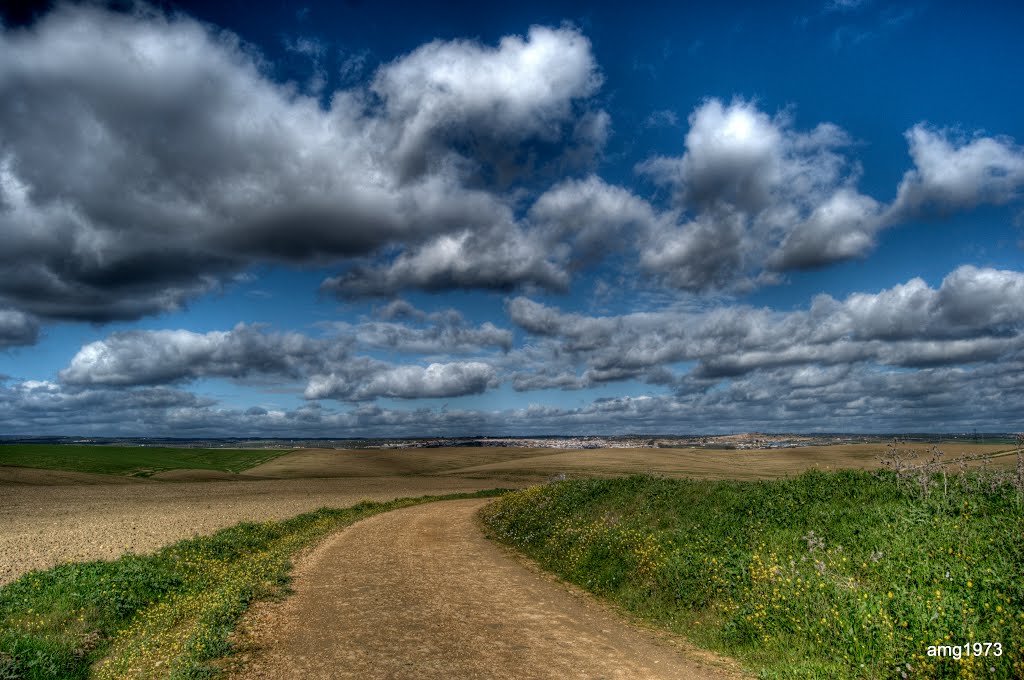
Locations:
(131, 460)
(847, 574)
(163, 615)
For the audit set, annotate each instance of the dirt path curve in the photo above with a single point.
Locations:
(421, 593)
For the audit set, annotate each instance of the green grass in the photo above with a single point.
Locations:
(131, 460)
(163, 615)
(826, 575)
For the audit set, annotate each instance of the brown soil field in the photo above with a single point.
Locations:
(11, 475)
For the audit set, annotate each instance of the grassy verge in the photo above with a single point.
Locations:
(131, 460)
(162, 615)
(826, 575)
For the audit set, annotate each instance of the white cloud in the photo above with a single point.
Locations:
(733, 155)
(594, 216)
(708, 252)
(760, 194)
(495, 260)
(974, 316)
(522, 88)
(843, 227)
(846, 398)
(167, 356)
(951, 173)
(327, 365)
(404, 382)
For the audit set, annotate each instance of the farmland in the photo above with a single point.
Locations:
(52, 515)
(99, 506)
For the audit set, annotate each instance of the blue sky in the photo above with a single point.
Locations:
(372, 219)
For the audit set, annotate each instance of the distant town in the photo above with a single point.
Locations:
(747, 440)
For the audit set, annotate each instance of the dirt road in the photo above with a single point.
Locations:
(421, 593)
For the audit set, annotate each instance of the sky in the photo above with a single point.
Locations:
(380, 219)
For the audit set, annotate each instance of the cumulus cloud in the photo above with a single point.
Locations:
(973, 316)
(761, 194)
(369, 380)
(130, 183)
(495, 260)
(328, 366)
(733, 155)
(167, 356)
(708, 252)
(843, 227)
(755, 195)
(951, 173)
(593, 216)
(463, 93)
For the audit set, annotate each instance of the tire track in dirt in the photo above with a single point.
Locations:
(421, 593)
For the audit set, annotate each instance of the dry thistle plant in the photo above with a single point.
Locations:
(922, 473)
(1019, 480)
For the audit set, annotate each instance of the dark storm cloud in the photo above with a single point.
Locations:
(17, 328)
(144, 158)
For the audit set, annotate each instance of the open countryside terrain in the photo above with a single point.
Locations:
(426, 571)
(49, 516)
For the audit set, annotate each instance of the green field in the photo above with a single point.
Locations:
(139, 461)
(827, 575)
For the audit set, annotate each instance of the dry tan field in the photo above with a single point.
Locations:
(713, 463)
(392, 462)
(44, 525)
(48, 517)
